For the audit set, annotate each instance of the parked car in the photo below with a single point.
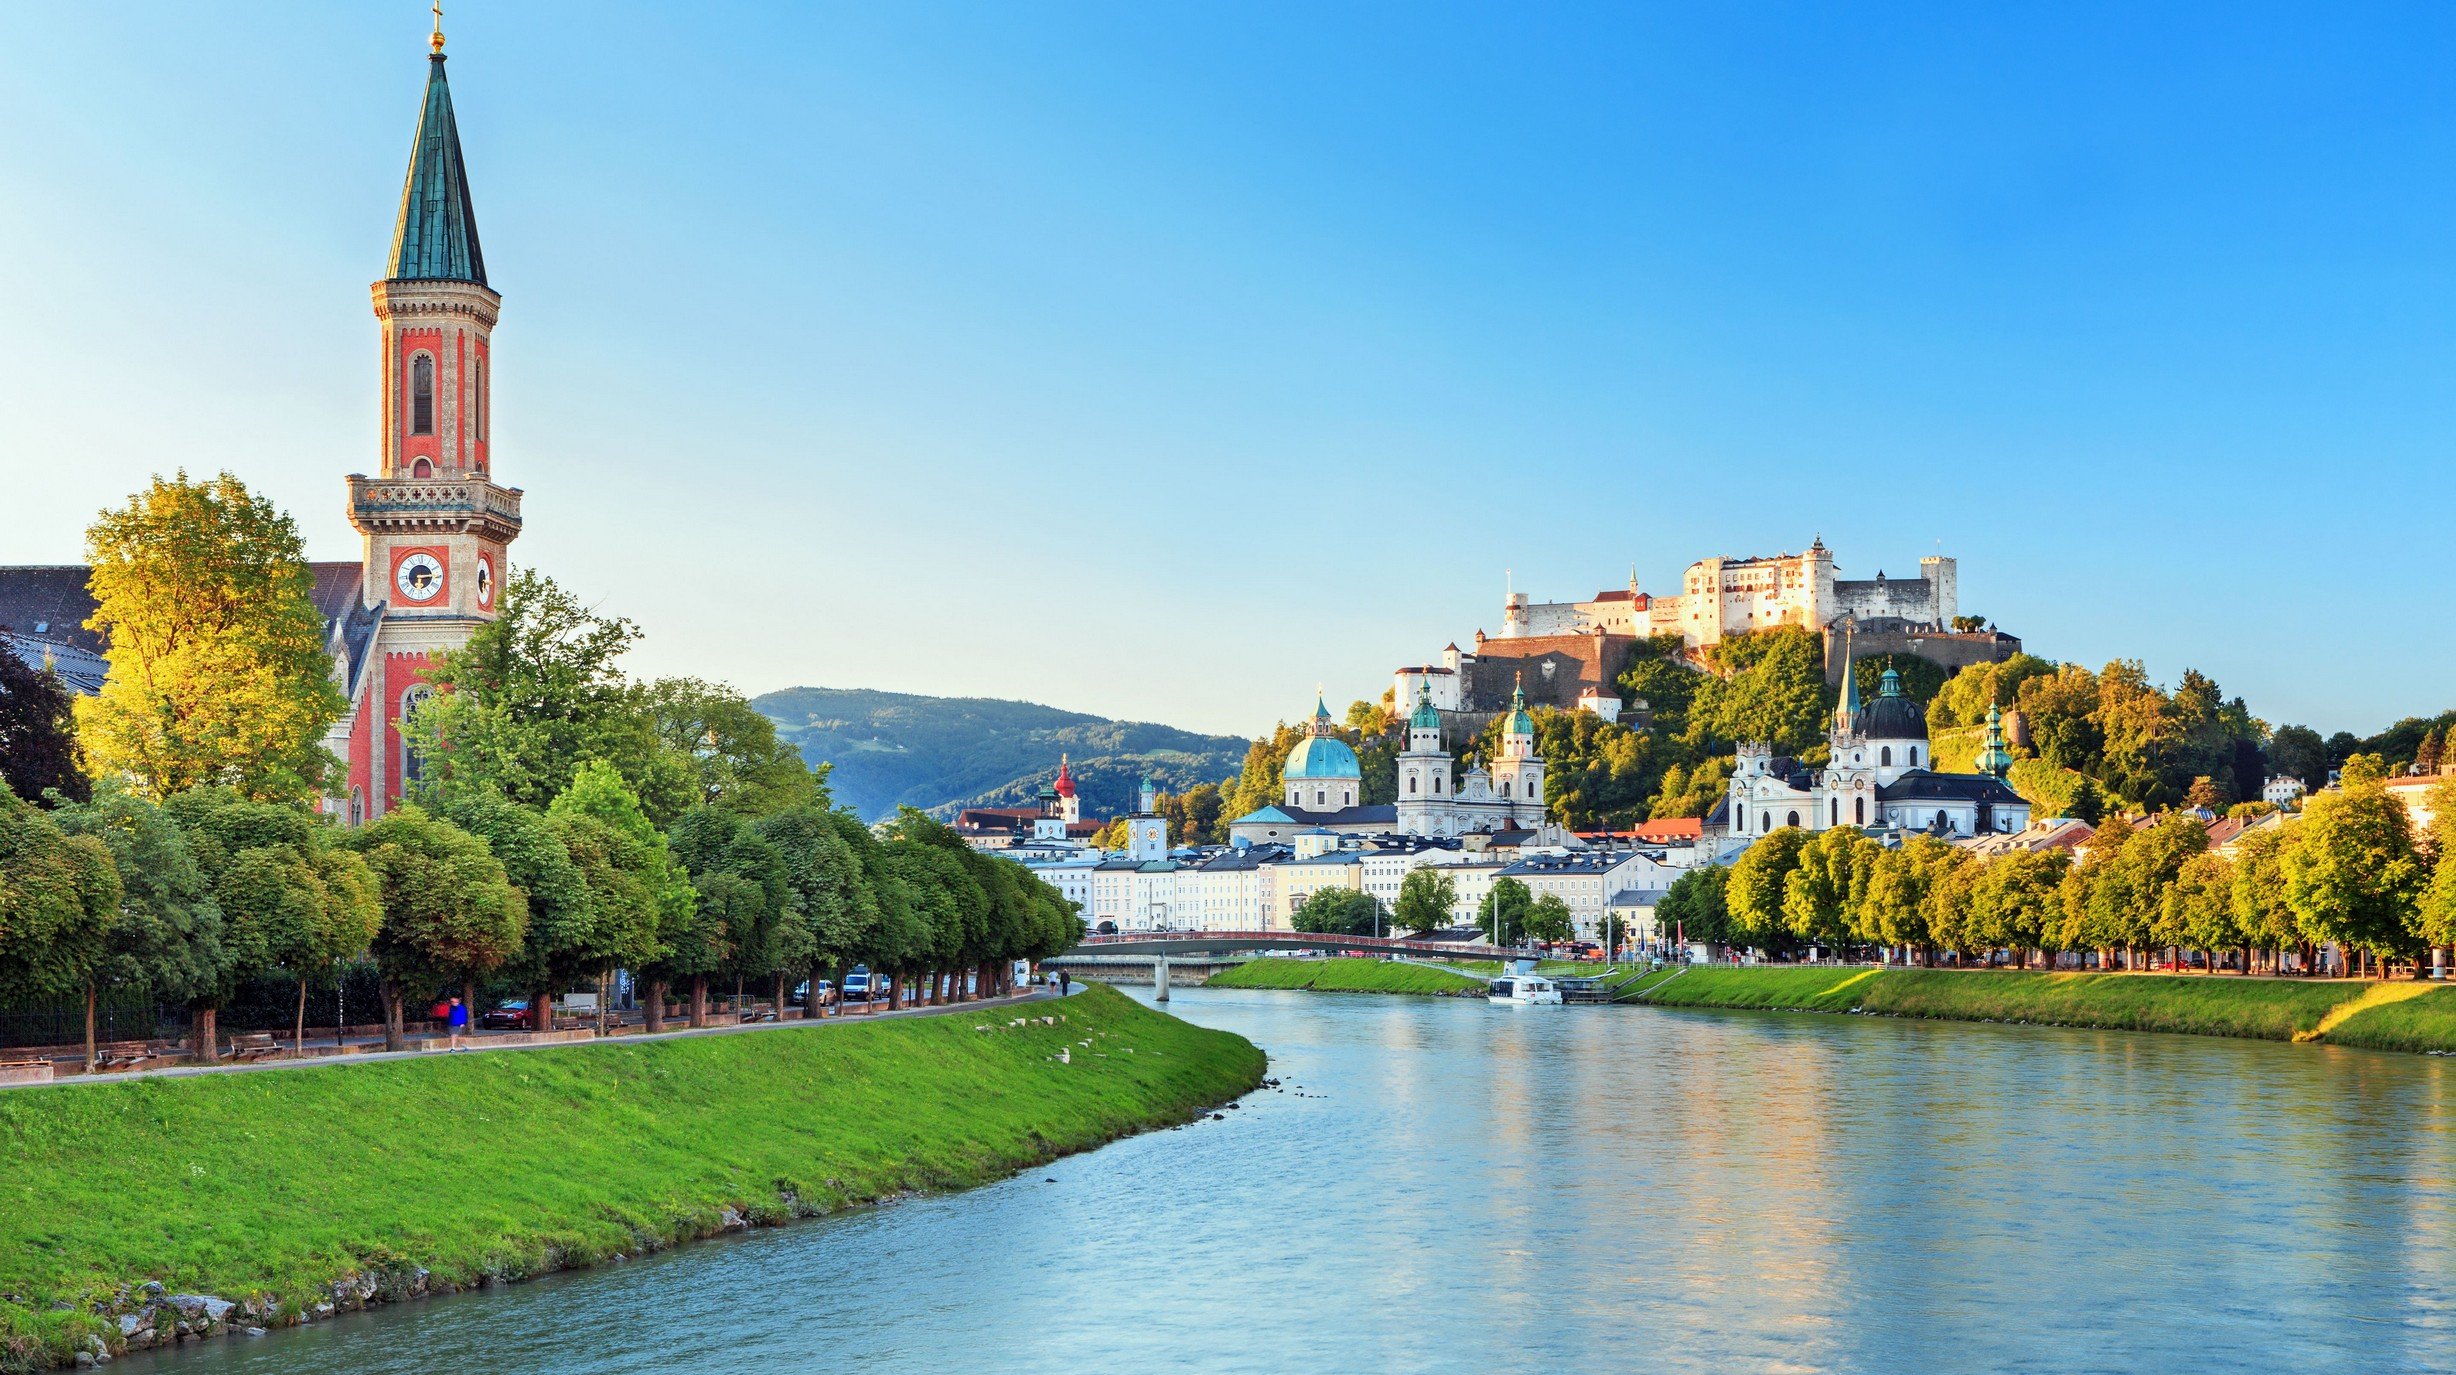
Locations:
(511, 1016)
(857, 983)
(826, 993)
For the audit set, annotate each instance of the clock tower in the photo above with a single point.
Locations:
(435, 522)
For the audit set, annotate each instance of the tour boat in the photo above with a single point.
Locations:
(1525, 990)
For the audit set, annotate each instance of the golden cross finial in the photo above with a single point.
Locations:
(435, 44)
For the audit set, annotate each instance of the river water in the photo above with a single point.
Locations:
(1448, 1186)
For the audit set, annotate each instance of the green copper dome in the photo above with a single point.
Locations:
(1426, 716)
(436, 236)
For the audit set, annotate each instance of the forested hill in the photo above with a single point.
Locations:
(893, 749)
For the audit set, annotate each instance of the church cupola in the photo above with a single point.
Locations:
(1994, 759)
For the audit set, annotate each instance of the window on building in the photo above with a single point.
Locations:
(1504, 787)
(1885, 756)
(411, 700)
(1411, 782)
(1859, 811)
(1914, 756)
(478, 380)
(422, 394)
(1833, 811)
(1794, 821)
(422, 468)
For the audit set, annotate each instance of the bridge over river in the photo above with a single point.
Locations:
(1193, 956)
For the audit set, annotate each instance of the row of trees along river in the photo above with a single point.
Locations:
(566, 821)
(2350, 871)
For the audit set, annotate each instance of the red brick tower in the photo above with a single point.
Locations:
(435, 522)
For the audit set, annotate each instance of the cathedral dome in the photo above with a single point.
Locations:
(1322, 756)
(1892, 716)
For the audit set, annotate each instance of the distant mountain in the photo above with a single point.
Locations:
(894, 749)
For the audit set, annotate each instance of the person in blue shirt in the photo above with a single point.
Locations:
(458, 1020)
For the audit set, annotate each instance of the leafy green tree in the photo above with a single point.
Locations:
(1767, 685)
(1597, 773)
(1194, 815)
(830, 860)
(2299, 752)
(1696, 907)
(219, 669)
(1548, 920)
(1817, 894)
(642, 897)
(2352, 871)
(759, 927)
(2198, 910)
(2436, 916)
(167, 939)
(1337, 912)
(267, 864)
(1962, 699)
(2261, 911)
(38, 733)
(1426, 897)
(59, 905)
(2053, 790)
(559, 945)
(1693, 790)
(1897, 907)
(303, 908)
(736, 761)
(1502, 913)
(1759, 882)
(450, 914)
(2015, 901)
(535, 695)
(1658, 675)
(1257, 785)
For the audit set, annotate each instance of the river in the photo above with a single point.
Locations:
(1447, 1186)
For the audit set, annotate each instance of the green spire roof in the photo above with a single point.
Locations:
(1994, 758)
(1427, 717)
(1519, 722)
(1846, 715)
(436, 236)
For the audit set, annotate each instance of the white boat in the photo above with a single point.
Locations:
(1525, 990)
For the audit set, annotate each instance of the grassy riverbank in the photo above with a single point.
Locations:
(2258, 1009)
(275, 1184)
(1346, 976)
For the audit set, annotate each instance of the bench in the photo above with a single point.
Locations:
(114, 1056)
(255, 1045)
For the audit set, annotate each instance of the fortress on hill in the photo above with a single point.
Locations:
(1566, 654)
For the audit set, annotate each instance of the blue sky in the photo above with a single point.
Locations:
(1162, 361)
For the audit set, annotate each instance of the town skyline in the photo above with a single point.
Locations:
(1344, 323)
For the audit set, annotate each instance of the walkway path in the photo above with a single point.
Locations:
(479, 1046)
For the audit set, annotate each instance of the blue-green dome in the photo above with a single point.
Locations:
(1322, 756)
(1520, 722)
(1427, 716)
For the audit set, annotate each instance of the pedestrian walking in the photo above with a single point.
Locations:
(457, 1018)
(1064, 979)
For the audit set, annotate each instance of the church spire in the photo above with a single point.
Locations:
(436, 236)
(1846, 715)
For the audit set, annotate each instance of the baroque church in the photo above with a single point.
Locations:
(1322, 784)
(433, 522)
(1877, 778)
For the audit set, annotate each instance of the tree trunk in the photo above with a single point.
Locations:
(781, 993)
(541, 1010)
(91, 1058)
(394, 1038)
(207, 1033)
(895, 992)
(699, 1000)
(298, 1035)
(656, 1006)
(605, 982)
(469, 1002)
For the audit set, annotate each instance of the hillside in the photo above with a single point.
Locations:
(894, 749)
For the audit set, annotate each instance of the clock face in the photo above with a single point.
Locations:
(486, 582)
(419, 576)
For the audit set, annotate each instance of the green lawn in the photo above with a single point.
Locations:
(2260, 1009)
(2424, 1023)
(508, 1164)
(1346, 976)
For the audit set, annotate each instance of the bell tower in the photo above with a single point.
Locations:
(435, 524)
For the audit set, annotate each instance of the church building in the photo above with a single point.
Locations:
(1879, 776)
(1322, 784)
(435, 525)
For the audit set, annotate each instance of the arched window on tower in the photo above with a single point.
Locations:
(422, 394)
(1914, 756)
(1859, 811)
(1885, 756)
(411, 700)
(1504, 787)
(477, 378)
(1411, 782)
(1833, 811)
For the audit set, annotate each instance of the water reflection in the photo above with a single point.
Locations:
(1450, 1186)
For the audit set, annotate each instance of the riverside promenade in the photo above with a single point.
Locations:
(504, 1042)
